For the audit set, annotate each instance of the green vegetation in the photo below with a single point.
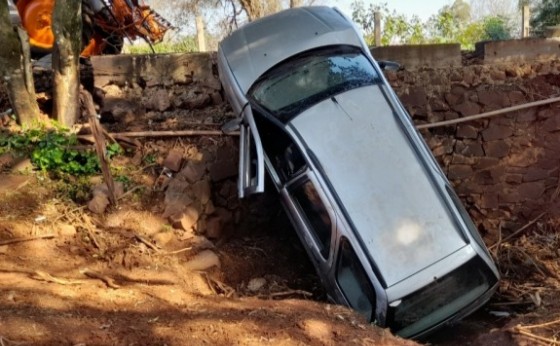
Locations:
(54, 150)
(186, 45)
(452, 24)
(547, 13)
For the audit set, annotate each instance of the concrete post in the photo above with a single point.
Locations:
(525, 17)
(377, 28)
(200, 34)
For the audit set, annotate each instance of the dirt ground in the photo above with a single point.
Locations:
(129, 276)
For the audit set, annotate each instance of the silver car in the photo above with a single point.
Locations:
(381, 223)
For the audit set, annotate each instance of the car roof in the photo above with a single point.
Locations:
(380, 181)
(257, 46)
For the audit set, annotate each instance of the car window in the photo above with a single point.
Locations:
(354, 282)
(308, 78)
(282, 151)
(315, 213)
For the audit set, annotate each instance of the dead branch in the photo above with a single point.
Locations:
(536, 338)
(175, 252)
(100, 147)
(24, 239)
(43, 276)
(290, 292)
(183, 133)
(489, 114)
(146, 242)
(11, 342)
(546, 324)
(94, 275)
(514, 234)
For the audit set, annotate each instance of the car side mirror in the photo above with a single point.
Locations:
(389, 65)
(232, 125)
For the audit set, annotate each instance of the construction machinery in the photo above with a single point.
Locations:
(106, 23)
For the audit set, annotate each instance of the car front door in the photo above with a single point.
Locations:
(251, 156)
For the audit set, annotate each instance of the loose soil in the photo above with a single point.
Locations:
(130, 277)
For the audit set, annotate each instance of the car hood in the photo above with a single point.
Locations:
(381, 181)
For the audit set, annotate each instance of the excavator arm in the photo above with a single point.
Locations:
(105, 24)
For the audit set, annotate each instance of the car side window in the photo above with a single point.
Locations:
(284, 154)
(354, 282)
(315, 214)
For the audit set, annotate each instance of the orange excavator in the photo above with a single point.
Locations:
(106, 23)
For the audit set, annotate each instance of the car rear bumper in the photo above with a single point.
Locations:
(469, 309)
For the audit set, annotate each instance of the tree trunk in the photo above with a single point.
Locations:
(200, 31)
(15, 68)
(67, 29)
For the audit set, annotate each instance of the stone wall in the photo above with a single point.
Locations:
(506, 168)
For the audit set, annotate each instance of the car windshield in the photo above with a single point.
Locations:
(306, 79)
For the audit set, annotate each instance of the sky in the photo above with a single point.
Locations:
(424, 9)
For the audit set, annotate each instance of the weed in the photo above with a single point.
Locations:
(54, 150)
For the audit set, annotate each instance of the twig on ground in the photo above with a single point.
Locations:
(43, 276)
(533, 326)
(24, 239)
(514, 234)
(94, 275)
(537, 338)
(291, 292)
(227, 290)
(146, 242)
(11, 342)
(174, 252)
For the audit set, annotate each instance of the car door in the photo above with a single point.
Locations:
(307, 206)
(251, 156)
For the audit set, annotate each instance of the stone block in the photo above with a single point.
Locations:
(492, 99)
(201, 190)
(552, 124)
(497, 149)
(192, 172)
(174, 160)
(467, 108)
(531, 191)
(221, 170)
(98, 204)
(459, 172)
(466, 132)
(513, 179)
(486, 162)
(495, 132)
(535, 174)
(489, 201)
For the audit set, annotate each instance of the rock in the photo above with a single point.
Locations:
(23, 166)
(467, 108)
(187, 219)
(10, 183)
(201, 191)
(495, 132)
(535, 174)
(531, 191)
(160, 100)
(176, 198)
(203, 261)
(497, 149)
(466, 132)
(459, 172)
(223, 169)
(163, 237)
(66, 230)
(201, 243)
(174, 160)
(193, 172)
(98, 204)
(214, 227)
(256, 284)
(102, 189)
